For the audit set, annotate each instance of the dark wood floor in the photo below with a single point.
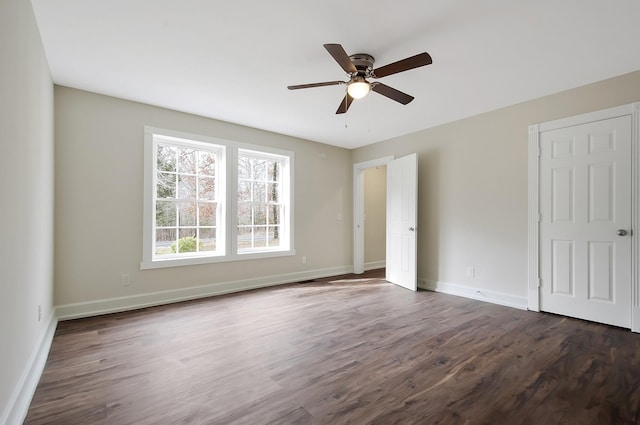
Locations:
(349, 350)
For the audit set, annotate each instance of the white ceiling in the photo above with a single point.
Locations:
(232, 60)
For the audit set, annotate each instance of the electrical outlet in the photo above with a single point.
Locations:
(304, 260)
(125, 280)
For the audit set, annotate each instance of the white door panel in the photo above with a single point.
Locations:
(585, 198)
(402, 190)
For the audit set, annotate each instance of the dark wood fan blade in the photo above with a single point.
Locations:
(341, 57)
(344, 105)
(391, 93)
(416, 61)
(308, 86)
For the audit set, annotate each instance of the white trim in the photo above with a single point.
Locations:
(374, 265)
(191, 261)
(230, 216)
(632, 109)
(479, 294)
(635, 217)
(372, 163)
(113, 305)
(533, 271)
(18, 406)
(358, 209)
(147, 199)
(603, 114)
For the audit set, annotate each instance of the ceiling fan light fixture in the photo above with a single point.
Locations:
(359, 67)
(358, 87)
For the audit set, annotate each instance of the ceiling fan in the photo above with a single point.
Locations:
(359, 67)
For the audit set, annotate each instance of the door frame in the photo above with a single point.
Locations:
(533, 268)
(358, 209)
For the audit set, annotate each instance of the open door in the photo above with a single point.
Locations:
(402, 193)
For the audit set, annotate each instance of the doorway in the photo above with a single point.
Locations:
(374, 217)
(401, 218)
(359, 208)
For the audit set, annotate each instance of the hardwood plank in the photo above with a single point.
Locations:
(347, 350)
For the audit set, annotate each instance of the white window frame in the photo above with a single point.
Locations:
(227, 196)
(285, 195)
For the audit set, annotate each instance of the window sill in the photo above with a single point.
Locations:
(177, 262)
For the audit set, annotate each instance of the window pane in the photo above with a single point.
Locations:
(187, 160)
(186, 187)
(244, 237)
(207, 239)
(274, 214)
(164, 239)
(206, 163)
(187, 241)
(274, 236)
(187, 214)
(166, 186)
(273, 171)
(260, 169)
(244, 191)
(259, 192)
(259, 214)
(207, 213)
(207, 188)
(244, 168)
(166, 158)
(260, 237)
(273, 194)
(244, 214)
(165, 214)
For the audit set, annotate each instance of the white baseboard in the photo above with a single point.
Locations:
(114, 305)
(373, 265)
(474, 293)
(18, 406)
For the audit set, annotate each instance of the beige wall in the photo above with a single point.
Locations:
(99, 201)
(375, 224)
(473, 185)
(26, 172)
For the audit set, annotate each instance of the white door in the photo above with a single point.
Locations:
(402, 192)
(585, 222)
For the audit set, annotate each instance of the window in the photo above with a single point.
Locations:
(186, 208)
(209, 200)
(260, 206)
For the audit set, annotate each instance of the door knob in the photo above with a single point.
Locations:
(621, 232)
(411, 229)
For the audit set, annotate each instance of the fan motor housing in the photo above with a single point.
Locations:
(363, 62)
